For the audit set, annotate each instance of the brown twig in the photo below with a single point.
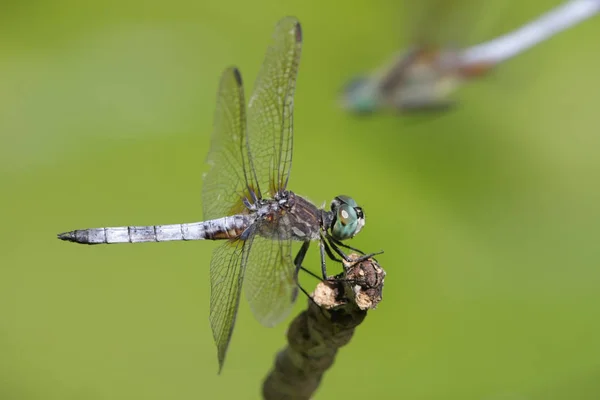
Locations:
(314, 337)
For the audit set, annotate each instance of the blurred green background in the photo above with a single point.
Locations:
(489, 215)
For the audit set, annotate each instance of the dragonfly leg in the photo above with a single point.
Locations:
(306, 293)
(365, 257)
(334, 245)
(324, 249)
(323, 312)
(312, 274)
(341, 244)
(298, 264)
(337, 250)
(299, 258)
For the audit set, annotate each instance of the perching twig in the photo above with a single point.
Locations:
(314, 337)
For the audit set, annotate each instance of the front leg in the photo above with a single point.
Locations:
(329, 241)
(341, 244)
(333, 243)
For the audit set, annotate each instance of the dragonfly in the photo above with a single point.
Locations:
(426, 75)
(246, 203)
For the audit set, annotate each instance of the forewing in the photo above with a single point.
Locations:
(442, 22)
(269, 285)
(271, 108)
(226, 276)
(229, 178)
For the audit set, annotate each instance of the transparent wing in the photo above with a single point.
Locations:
(270, 111)
(227, 181)
(442, 22)
(226, 276)
(425, 75)
(269, 285)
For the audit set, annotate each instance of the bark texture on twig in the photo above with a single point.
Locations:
(328, 323)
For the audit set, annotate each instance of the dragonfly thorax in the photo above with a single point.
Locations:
(347, 218)
(287, 216)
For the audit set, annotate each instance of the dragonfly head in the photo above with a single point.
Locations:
(360, 95)
(348, 218)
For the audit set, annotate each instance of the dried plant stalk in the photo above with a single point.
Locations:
(314, 337)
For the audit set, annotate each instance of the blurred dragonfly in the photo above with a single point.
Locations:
(424, 77)
(246, 202)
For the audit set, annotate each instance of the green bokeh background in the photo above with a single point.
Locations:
(489, 215)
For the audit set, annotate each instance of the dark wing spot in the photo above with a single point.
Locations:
(298, 32)
(238, 76)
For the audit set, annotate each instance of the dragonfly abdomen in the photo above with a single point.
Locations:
(216, 229)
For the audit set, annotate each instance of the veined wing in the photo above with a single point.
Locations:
(228, 180)
(269, 285)
(271, 108)
(226, 276)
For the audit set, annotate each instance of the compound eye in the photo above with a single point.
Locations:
(346, 224)
(346, 214)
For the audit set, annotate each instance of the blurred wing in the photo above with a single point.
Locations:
(442, 22)
(229, 178)
(226, 276)
(269, 285)
(271, 107)
(424, 76)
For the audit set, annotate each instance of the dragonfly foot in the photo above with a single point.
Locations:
(352, 261)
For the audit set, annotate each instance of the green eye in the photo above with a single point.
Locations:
(348, 218)
(346, 215)
(360, 95)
